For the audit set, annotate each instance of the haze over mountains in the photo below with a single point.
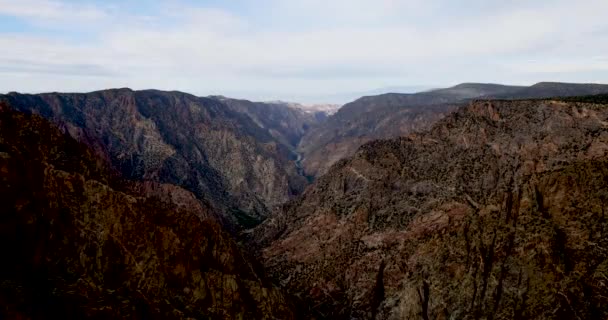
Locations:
(478, 201)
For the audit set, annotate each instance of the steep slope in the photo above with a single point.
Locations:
(392, 115)
(383, 116)
(498, 212)
(331, 142)
(198, 143)
(78, 242)
(285, 122)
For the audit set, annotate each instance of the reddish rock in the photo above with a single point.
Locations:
(200, 144)
(79, 242)
(497, 212)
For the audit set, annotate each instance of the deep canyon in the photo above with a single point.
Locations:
(478, 201)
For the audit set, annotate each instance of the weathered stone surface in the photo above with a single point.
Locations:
(219, 154)
(77, 241)
(393, 115)
(498, 212)
(284, 121)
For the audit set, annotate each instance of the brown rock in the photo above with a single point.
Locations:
(80, 242)
(496, 212)
(200, 144)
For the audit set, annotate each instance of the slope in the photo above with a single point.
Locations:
(498, 212)
(220, 155)
(80, 242)
(286, 123)
(392, 115)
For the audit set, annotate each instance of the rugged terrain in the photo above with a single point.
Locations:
(392, 115)
(286, 122)
(80, 242)
(227, 154)
(497, 212)
(124, 203)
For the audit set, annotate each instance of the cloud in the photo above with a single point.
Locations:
(33, 67)
(48, 12)
(561, 66)
(301, 47)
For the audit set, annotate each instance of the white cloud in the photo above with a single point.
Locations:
(52, 12)
(352, 11)
(338, 45)
(560, 66)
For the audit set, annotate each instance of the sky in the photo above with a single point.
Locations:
(310, 51)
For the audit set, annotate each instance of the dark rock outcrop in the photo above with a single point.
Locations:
(497, 212)
(200, 144)
(78, 242)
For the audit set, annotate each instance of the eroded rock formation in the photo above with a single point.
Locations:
(498, 212)
(78, 241)
(219, 154)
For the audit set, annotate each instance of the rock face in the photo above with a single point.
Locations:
(79, 242)
(497, 212)
(286, 122)
(221, 155)
(393, 115)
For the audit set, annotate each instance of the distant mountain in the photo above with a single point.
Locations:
(285, 121)
(393, 114)
(341, 98)
(79, 242)
(555, 89)
(237, 158)
(498, 211)
(473, 90)
(395, 89)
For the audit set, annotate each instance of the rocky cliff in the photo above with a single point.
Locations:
(392, 115)
(80, 242)
(497, 212)
(286, 122)
(221, 155)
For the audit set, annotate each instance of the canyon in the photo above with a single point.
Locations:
(78, 241)
(396, 114)
(228, 153)
(478, 201)
(497, 211)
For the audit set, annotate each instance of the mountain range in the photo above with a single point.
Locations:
(79, 241)
(234, 154)
(496, 211)
(394, 114)
(478, 201)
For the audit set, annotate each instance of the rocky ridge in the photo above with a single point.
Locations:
(392, 115)
(78, 241)
(221, 155)
(286, 122)
(497, 212)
